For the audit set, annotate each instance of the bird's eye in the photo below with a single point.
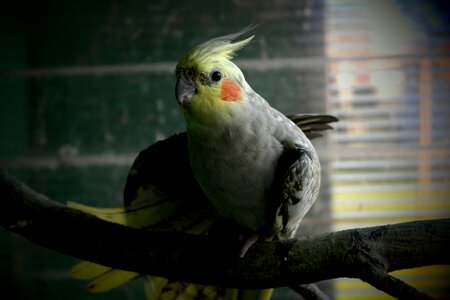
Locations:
(216, 76)
(189, 72)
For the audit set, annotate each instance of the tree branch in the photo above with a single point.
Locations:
(366, 253)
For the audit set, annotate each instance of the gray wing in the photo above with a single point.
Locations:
(161, 179)
(299, 188)
(312, 124)
(164, 168)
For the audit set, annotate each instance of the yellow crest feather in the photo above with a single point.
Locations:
(219, 48)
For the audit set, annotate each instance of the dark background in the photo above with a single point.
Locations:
(85, 85)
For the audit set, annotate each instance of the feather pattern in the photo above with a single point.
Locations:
(217, 49)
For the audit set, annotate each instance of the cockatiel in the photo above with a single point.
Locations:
(257, 168)
(254, 165)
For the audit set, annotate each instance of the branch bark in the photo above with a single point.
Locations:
(366, 253)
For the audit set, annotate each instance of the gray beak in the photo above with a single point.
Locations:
(184, 90)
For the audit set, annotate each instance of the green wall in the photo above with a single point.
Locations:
(84, 85)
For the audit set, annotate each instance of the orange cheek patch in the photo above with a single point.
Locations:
(230, 91)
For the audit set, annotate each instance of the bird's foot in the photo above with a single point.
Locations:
(248, 243)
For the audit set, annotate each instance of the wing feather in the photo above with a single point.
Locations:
(313, 124)
(299, 189)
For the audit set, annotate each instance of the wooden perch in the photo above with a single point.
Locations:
(366, 253)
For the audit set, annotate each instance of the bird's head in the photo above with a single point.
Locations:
(210, 88)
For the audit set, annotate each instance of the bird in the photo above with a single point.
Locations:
(239, 160)
(257, 168)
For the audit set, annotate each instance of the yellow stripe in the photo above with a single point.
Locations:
(436, 278)
(417, 283)
(374, 183)
(377, 296)
(339, 196)
(428, 270)
(417, 205)
(383, 220)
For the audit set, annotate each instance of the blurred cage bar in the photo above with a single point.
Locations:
(388, 81)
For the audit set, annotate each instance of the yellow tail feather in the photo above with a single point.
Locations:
(102, 278)
(106, 278)
(111, 280)
(153, 286)
(139, 215)
(87, 270)
(147, 213)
